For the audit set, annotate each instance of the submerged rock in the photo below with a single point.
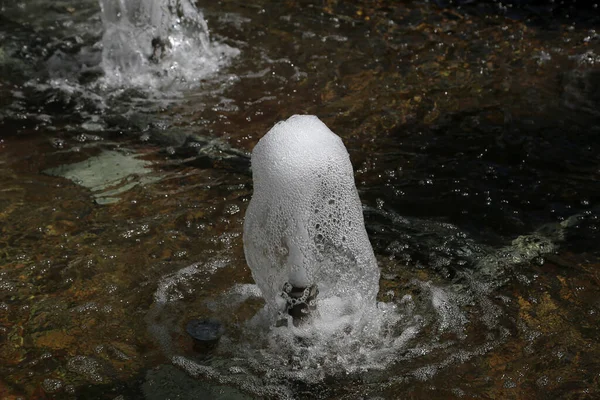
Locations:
(108, 175)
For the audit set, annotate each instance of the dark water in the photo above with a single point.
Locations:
(474, 138)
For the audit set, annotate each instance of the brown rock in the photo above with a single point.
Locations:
(54, 339)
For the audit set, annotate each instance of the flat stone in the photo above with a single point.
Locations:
(108, 175)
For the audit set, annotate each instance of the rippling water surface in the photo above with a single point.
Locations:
(473, 132)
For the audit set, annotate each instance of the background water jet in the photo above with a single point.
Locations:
(161, 44)
(304, 225)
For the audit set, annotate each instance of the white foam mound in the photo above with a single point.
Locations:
(304, 224)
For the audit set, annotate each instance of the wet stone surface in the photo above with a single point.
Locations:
(474, 138)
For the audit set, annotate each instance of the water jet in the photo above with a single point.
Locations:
(157, 44)
(304, 230)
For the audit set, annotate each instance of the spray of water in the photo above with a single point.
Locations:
(158, 45)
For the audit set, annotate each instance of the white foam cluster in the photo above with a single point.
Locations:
(304, 224)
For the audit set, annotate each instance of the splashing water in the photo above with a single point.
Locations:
(426, 328)
(158, 44)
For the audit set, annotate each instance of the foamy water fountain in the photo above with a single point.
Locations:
(304, 226)
(306, 245)
(158, 44)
